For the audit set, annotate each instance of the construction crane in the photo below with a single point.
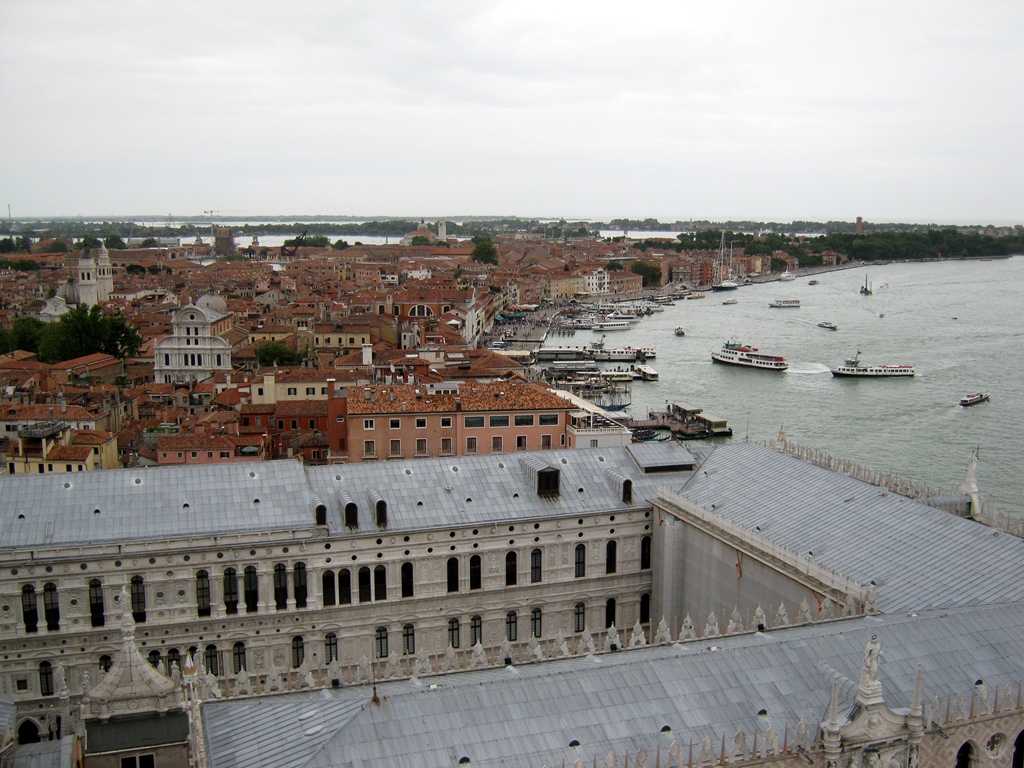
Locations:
(210, 214)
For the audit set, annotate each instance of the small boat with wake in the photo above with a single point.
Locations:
(734, 353)
(973, 399)
(828, 326)
(854, 367)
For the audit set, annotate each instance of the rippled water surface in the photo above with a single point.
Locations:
(960, 323)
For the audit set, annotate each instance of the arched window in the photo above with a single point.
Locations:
(230, 591)
(581, 561)
(105, 663)
(1017, 760)
(299, 584)
(453, 574)
(351, 515)
(154, 659)
(475, 575)
(645, 608)
(645, 553)
(965, 756)
(280, 586)
(609, 612)
(511, 626)
(365, 590)
(203, 593)
(453, 633)
(476, 630)
(511, 569)
(408, 640)
(96, 609)
(407, 580)
(51, 607)
(344, 587)
(610, 556)
(251, 587)
(238, 657)
(535, 566)
(380, 642)
(298, 652)
(45, 678)
(138, 593)
(380, 583)
(327, 590)
(535, 622)
(211, 660)
(330, 648)
(28, 732)
(29, 608)
(579, 617)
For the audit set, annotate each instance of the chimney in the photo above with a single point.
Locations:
(330, 389)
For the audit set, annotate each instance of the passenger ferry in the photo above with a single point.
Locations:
(611, 325)
(973, 399)
(785, 303)
(735, 353)
(854, 367)
(647, 373)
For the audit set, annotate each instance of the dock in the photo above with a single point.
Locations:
(685, 422)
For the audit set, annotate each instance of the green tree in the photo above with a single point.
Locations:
(614, 266)
(276, 353)
(85, 331)
(114, 243)
(485, 251)
(58, 246)
(149, 242)
(420, 240)
(340, 245)
(25, 332)
(88, 241)
(651, 274)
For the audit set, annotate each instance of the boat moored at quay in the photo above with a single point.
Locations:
(854, 367)
(734, 353)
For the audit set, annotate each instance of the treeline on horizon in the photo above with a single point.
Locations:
(880, 242)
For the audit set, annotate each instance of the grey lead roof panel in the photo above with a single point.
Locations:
(618, 701)
(917, 557)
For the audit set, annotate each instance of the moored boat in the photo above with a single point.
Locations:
(695, 296)
(785, 303)
(647, 373)
(974, 398)
(734, 353)
(854, 367)
(787, 276)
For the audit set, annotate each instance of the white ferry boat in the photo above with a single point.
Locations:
(785, 303)
(854, 367)
(611, 325)
(735, 353)
(647, 373)
(787, 276)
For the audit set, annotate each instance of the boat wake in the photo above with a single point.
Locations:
(812, 368)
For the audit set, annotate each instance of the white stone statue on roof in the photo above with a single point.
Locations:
(872, 653)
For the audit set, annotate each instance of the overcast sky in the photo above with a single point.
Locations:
(893, 110)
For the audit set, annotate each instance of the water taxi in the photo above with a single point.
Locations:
(785, 303)
(973, 399)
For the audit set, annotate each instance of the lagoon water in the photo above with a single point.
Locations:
(958, 322)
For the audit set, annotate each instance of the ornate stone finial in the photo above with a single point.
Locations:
(760, 620)
(707, 751)
(803, 737)
(981, 693)
(828, 609)
(393, 667)
(735, 622)
(806, 617)
(739, 745)
(771, 742)
(506, 651)
(363, 670)
(687, 631)
(663, 635)
(478, 658)
(611, 641)
(781, 616)
(638, 639)
(711, 627)
(422, 665)
(450, 661)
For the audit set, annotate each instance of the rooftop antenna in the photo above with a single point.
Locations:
(210, 214)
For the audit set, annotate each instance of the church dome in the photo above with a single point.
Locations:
(212, 301)
(69, 292)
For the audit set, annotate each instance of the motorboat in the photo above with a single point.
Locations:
(813, 282)
(680, 331)
(974, 398)
(785, 303)
(646, 373)
(828, 326)
(852, 366)
(731, 301)
(734, 353)
(787, 276)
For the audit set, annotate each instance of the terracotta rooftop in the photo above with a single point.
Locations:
(503, 396)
